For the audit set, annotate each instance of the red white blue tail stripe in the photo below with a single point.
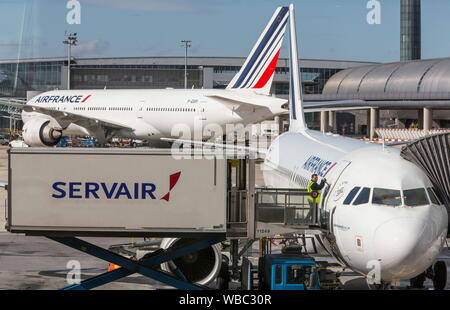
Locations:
(260, 65)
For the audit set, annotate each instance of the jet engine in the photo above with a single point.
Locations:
(201, 267)
(40, 132)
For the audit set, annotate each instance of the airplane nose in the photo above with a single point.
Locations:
(403, 247)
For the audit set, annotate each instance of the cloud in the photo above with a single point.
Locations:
(9, 49)
(90, 48)
(191, 6)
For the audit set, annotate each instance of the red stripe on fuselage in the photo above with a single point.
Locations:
(332, 166)
(85, 98)
(268, 73)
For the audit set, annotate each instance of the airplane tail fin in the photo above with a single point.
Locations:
(296, 115)
(259, 67)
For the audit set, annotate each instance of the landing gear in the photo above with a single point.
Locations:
(417, 282)
(379, 286)
(437, 273)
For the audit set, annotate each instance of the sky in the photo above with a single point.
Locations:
(327, 29)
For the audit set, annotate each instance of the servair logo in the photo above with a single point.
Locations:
(115, 190)
(62, 99)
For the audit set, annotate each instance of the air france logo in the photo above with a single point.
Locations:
(116, 190)
(317, 165)
(62, 99)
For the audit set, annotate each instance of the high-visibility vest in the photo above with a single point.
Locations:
(314, 196)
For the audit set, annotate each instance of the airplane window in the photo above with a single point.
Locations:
(363, 197)
(433, 196)
(388, 197)
(351, 195)
(415, 197)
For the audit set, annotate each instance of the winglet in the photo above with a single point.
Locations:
(296, 115)
(259, 68)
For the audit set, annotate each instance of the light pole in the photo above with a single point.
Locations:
(186, 44)
(70, 41)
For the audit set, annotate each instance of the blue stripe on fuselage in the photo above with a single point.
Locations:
(253, 76)
(262, 44)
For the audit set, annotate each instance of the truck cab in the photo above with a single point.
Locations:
(288, 272)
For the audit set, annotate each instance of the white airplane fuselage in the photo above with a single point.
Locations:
(152, 114)
(405, 240)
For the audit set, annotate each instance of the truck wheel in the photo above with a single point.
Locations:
(440, 275)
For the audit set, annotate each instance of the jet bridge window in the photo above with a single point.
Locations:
(363, 197)
(351, 195)
(434, 198)
(388, 197)
(415, 197)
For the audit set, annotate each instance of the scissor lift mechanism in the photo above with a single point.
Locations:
(147, 266)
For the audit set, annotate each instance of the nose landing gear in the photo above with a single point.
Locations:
(437, 273)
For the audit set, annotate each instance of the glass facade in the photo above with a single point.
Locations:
(313, 80)
(134, 76)
(16, 79)
(410, 30)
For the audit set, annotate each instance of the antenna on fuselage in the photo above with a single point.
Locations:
(296, 115)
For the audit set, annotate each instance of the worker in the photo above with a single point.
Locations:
(314, 197)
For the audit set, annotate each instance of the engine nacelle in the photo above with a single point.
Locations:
(201, 267)
(39, 132)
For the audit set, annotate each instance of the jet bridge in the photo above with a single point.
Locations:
(432, 154)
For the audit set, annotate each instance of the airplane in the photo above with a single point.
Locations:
(152, 114)
(380, 214)
(377, 206)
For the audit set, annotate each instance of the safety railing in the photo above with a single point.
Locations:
(285, 206)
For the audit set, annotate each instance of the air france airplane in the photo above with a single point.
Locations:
(152, 114)
(379, 213)
(377, 208)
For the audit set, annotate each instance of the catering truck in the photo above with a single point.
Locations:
(193, 203)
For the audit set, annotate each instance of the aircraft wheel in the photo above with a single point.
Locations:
(417, 282)
(440, 275)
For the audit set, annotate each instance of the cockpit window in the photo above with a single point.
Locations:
(363, 197)
(415, 197)
(433, 196)
(351, 195)
(388, 197)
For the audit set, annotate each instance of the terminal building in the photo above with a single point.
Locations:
(17, 78)
(403, 91)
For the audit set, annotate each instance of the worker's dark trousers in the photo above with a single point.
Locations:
(309, 215)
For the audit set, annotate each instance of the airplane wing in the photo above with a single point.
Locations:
(312, 108)
(231, 147)
(247, 102)
(336, 105)
(64, 116)
(355, 104)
